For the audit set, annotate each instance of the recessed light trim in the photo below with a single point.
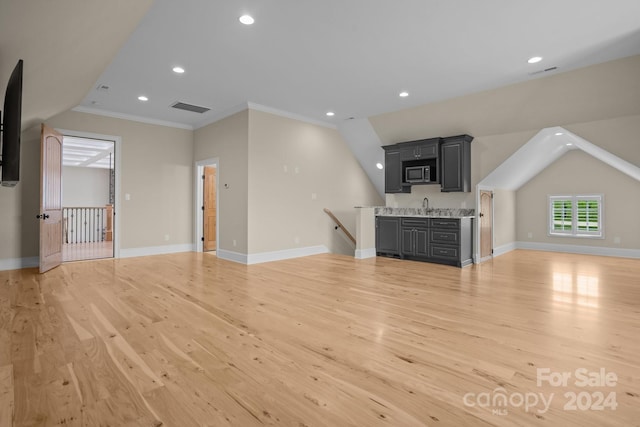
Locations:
(246, 19)
(143, 98)
(178, 70)
(379, 165)
(534, 59)
(403, 94)
(559, 133)
(330, 113)
(569, 144)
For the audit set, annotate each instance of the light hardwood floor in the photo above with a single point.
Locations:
(86, 251)
(188, 339)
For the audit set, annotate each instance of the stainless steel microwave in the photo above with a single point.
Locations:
(413, 174)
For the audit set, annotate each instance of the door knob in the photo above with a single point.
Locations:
(43, 216)
(481, 214)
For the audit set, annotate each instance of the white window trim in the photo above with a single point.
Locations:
(574, 232)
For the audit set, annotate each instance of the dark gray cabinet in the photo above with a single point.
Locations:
(451, 240)
(455, 159)
(439, 240)
(421, 149)
(388, 235)
(393, 171)
(448, 160)
(414, 237)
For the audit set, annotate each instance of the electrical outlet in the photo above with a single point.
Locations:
(530, 235)
(617, 240)
(285, 169)
(314, 196)
(166, 237)
(296, 169)
(296, 240)
(127, 196)
(234, 242)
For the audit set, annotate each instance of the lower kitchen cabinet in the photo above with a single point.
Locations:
(388, 235)
(414, 237)
(438, 240)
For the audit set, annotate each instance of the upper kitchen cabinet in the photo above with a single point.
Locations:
(455, 160)
(393, 171)
(444, 161)
(421, 149)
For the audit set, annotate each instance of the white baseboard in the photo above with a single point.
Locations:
(18, 263)
(231, 256)
(156, 250)
(365, 253)
(503, 249)
(579, 249)
(286, 254)
(271, 256)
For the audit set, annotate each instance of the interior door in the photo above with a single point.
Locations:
(486, 224)
(209, 208)
(50, 215)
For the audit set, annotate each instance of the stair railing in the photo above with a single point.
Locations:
(340, 225)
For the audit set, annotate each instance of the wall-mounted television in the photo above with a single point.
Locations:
(11, 124)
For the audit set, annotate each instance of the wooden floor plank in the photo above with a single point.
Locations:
(189, 339)
(6, 395)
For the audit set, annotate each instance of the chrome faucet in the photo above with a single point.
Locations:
(425, 201)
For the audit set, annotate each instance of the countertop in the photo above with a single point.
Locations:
(426, 213)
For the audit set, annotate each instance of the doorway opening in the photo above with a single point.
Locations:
(88, 198)
(207, 221)
(485, 223)
(209, 209)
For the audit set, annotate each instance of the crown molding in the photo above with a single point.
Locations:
(289, 115)
(130, 117)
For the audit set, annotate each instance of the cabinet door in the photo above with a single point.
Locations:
(408, 153)
(427, 151)
(407, 245)
(388, 235)
(392, 172)
(421, 236)
(451, 166)
(455, 163)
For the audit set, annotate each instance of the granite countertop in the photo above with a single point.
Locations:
(423, 212)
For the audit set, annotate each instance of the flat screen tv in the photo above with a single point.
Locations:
(11, 124)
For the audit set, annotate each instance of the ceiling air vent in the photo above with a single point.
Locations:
(546, 70)
(188, 107)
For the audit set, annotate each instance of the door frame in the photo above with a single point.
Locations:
(199, 202)
(477, 259)
(117, 140)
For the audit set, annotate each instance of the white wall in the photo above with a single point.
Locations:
(84, 187)
(296, 169)
(228, 140)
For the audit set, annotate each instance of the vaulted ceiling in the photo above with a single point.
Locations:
(349, 57)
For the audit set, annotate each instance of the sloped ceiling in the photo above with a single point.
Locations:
(544, 148)
(351, 57)
(65, 45)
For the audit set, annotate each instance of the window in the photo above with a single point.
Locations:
(576, 216)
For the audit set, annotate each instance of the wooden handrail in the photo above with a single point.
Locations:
(339, 225)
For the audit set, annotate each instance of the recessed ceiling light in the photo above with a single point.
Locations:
(246, 19)
(178, 70)
(143, 98)
(379, 165)
(330, 113)
(404, 94)
(569, 144)
(559, 133)
(534, 59)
